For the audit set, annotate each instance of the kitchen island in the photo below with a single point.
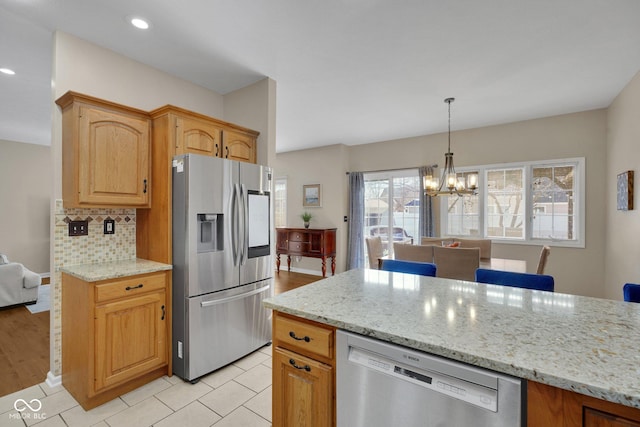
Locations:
(580, 344)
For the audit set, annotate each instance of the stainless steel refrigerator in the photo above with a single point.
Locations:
(222, 263)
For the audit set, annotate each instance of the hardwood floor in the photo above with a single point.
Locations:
(24, 339)
(24, 349)
(285, 281)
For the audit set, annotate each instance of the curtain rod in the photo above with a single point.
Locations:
(391, 170)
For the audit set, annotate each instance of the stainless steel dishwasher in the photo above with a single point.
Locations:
(380, 385)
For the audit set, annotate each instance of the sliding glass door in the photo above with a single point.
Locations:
(391, 207)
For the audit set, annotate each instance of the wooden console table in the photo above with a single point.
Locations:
(308, 242)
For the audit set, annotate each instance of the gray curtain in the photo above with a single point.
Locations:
(355, 244)
(425, 217)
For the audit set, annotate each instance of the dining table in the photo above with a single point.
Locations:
(503, 264)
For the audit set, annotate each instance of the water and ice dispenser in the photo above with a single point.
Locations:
(210, 236)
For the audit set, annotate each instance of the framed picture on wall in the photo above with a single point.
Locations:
(311, 196)
(625, 191)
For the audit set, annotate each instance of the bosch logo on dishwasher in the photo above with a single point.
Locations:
(410, 357)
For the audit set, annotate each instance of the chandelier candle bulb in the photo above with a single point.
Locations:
(473, 181)
(451, 181)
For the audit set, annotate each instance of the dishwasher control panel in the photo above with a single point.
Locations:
(469, 392)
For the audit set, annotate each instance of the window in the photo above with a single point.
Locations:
(391, 207)
(533, 202)
(505, 203)
(463, 213)
(280, 202)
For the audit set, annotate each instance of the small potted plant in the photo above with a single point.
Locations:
(306, 217)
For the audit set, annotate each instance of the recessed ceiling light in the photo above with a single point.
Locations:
(139, 23)
(7, 71)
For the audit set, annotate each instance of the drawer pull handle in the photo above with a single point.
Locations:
(305, 367)
(128, 288)
(145, 186)
(293, 335)
(163, 313)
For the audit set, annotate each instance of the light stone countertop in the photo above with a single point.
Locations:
(588, 345)
(114, 269)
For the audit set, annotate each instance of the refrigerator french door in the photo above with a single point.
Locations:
(222, 262)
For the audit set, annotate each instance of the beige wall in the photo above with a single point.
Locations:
(326, 166)
(577, 271)
(623, 227)
(25, 193)
(246, 107)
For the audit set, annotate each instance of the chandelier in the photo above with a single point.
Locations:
(450, 183)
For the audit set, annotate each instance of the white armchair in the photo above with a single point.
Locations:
(18, 285)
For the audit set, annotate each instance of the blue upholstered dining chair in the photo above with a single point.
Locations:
(540, 282)
(631, 292)
(412, 267)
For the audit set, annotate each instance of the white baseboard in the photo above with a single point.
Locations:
(53, 380)
(43, 275)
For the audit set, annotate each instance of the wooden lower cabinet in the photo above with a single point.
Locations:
(302, 390)
(552, 406)
(115, 335)
(303, 373)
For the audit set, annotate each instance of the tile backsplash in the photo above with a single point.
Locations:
(94, 248)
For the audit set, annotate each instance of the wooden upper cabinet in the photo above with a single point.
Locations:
(239, 146)
(178, 131)
(106, 152)
(185, 131)
(197, 136)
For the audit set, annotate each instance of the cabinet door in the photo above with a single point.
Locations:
(595, 418)
(302, 391)
(113, 158)
(198, 137)
(130, 338)
(239, 146)
(282, 241)
(316, 243)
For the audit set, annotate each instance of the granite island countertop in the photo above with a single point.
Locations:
(114, 269)
(587, 345)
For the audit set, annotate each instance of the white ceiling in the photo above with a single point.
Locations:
(347, 71)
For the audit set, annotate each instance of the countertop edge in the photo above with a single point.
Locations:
(115, 269)
(479, 361)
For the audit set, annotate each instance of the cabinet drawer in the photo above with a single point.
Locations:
(297, 335)
(129, 286)
(296, 236)
(297, 247)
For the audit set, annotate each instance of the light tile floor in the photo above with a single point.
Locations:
(236, 395)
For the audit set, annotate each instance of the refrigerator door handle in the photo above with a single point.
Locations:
(234, 224)
(245, 228)
(241, 224)
(235, 297)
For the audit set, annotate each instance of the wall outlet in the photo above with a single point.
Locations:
(78, 228)
(109, 226)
